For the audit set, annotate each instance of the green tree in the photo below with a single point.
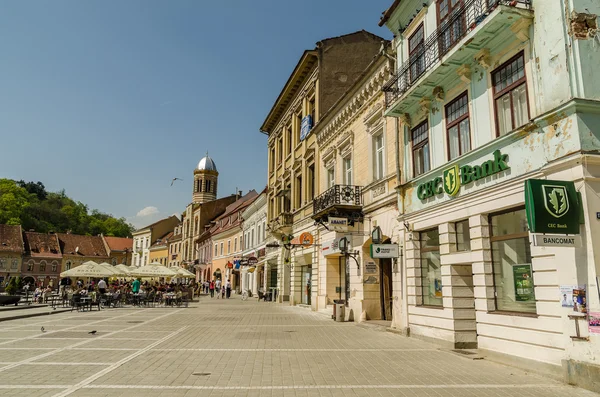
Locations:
(13, 201)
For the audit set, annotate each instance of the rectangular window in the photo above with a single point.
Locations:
(431, 270)
(299, 192)
(289, 138)
(272, 160)
(348, 171)
(416, 53)
(463, 235)
(221, 249)
(235, 244)
(420, 148)
(311, 182)
(511, 261)
(279, 150)
(264, 231)
(216, 249)
(510, 95)
(258, 235)
(287, 202)
(457, 127)
(452, 25)
(298, 127)
(252, 239)
(330, 178)
(378, 162)
(228, 247)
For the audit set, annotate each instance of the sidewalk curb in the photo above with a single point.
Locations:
(22, 316)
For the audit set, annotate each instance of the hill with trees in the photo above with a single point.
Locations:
(29, 204)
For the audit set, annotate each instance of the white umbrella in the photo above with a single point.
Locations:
(153, 270)
(184, 273)
(88, 269)
(124, 269)
(116, 272)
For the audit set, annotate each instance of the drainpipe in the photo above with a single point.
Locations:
(400, 194)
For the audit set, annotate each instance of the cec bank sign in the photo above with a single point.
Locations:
(552, 206)
(457, 176)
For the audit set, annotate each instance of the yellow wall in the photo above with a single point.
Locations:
(159, 255)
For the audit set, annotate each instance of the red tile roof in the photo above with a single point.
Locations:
(41, 245)
(74, 244)
(164, 240)
(119, 243)
(11, 239)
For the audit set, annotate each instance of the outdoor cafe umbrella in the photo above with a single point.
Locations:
(184, 273)
(116, 272)
(153, 270)
(88, 269)
(124, 269)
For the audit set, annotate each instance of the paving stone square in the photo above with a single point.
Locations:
(240, 348)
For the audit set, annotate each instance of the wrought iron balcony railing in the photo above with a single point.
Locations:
(338, 195)
(463, 20)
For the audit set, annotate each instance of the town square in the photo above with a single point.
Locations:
(345, 197)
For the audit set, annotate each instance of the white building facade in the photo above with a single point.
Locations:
(254, 228)
(492, 95)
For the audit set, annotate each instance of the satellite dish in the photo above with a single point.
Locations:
(76, 250)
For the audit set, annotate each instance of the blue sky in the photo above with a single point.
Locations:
(112, 99)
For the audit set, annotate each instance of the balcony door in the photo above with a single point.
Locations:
(416, 53)
(451, 23)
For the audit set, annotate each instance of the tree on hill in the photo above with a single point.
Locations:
(30, 205)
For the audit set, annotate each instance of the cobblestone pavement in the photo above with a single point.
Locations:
(237, 348)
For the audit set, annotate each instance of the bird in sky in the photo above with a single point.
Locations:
(175, 179)
(92, 332)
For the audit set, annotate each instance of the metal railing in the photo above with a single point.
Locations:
(338, 195)
(462, 21)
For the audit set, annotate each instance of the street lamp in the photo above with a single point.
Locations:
(376, 235)
(343, 246)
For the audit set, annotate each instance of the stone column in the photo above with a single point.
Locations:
(483, 275)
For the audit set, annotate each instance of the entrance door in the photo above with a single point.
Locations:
(306, 284)
(385, 277)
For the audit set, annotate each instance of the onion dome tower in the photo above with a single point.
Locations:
(205, 181)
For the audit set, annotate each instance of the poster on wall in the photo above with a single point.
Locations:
(523, 283)
(566, 294)
(594, 323)
(370, 268)
(438, 288)
(579, 300)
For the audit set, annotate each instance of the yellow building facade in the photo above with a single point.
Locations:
(357, 155)
(317, 82)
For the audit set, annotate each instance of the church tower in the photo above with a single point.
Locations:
(205, 181)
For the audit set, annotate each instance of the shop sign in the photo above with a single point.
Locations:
(552, 206)
(523, 280)
(252, 261)
(304, 239)
(384, 251)
(305, 126)
(332, 246)
(545, 240)
(338, 224)
(244, 262)
(456, 176)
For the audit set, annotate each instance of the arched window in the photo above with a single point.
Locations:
(30, 266)
(208, 186)
(15, 264)
(54, 266)
(42, 266)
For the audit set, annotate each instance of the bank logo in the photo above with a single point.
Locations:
(452, 180)
(556, 200)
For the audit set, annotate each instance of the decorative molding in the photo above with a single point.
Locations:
(367, 94)
(484, 58)
(405, 119)
(425, 103)
(375, 114)
(438, 94)
(521, 29)
(464, 72)
(378, 190)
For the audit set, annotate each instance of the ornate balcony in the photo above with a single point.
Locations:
(282, 223)
(473, 30)
(341, 200)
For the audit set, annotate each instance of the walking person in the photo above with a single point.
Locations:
(228, 288)
(102, 286)
(218, 288)
(211, 288)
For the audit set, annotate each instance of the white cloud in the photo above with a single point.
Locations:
(148, 211)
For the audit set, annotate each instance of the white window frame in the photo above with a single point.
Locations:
(377, 162)
(330, 177)
(347, 171)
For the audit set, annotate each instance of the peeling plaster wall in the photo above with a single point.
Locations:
(585, 52)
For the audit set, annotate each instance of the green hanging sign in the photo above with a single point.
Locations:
(552, 206)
